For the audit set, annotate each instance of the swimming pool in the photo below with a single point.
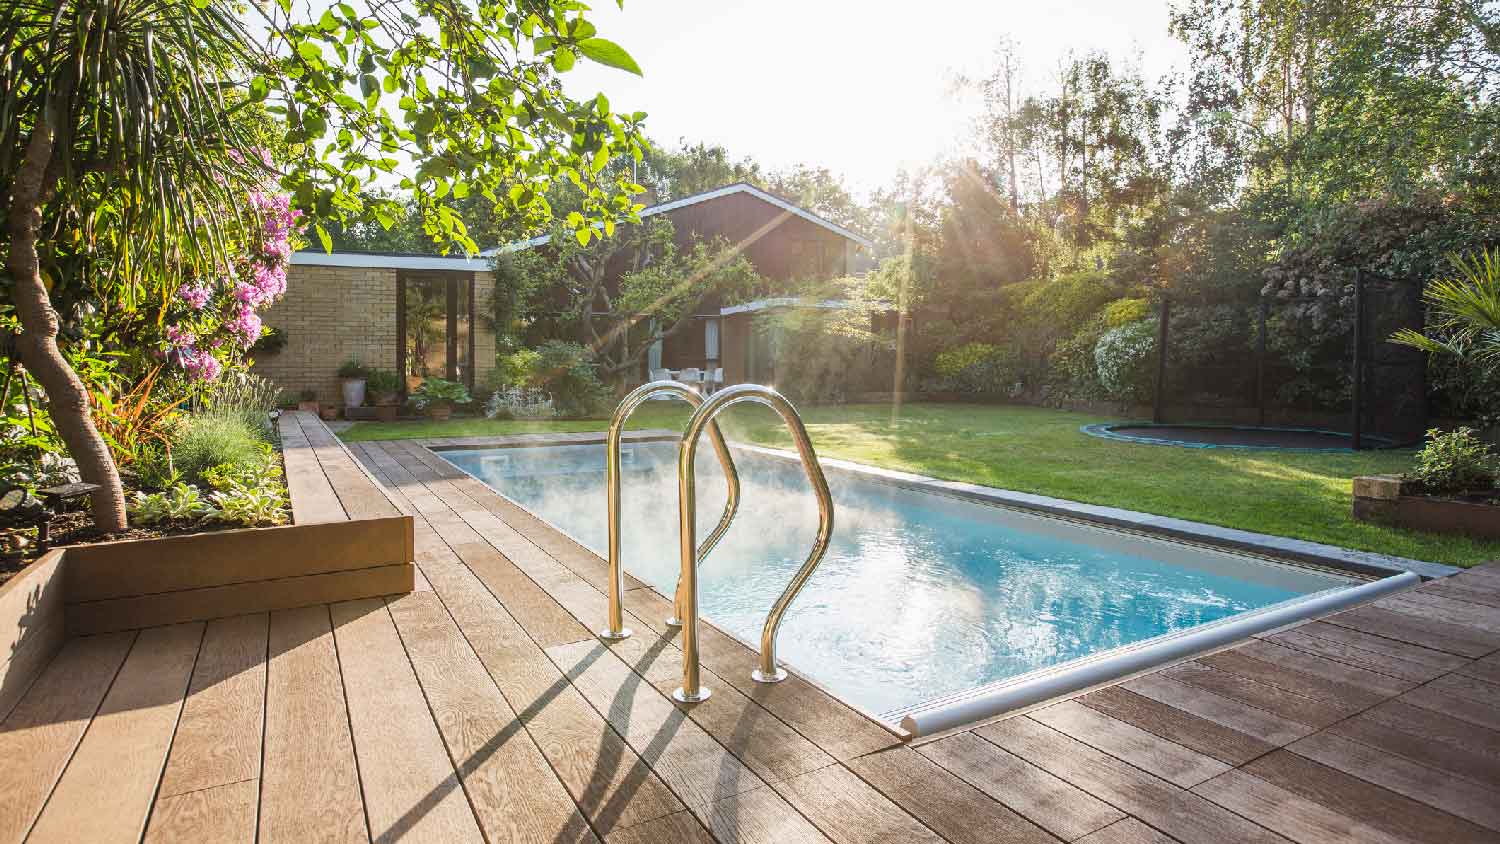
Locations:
(921, 596)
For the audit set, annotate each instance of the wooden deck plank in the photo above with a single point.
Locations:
(678, 828)
(1447, 610)
(539, 613)
(1457, 761)
(310, 785)
(222, 814)
(1473, 711)
(1383, 645)
(697, 768)
(1177, 812)
(1284, 812)
(1151, 753)
(219, 736)
(411, 789)
(1472, 801)
(1227, 712)
(1365, 802)
(1284, 676)
(1472, 593)
(849, 811)
(767, 746)
(1487, 669)
(840, 731)
(106, 791)
(1376, 684)
(1045, 800)
(1200, 734)
(611, 785)
(1274, 699)
(1414, 630)
(47, 723)
(760, 816)
(1359, 657)
(1464, 686)
(514, 793)
(1434, 726)
(1126, 831)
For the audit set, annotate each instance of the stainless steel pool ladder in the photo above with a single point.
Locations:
(617, 629)
(692, 690)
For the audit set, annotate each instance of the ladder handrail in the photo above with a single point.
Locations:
(628, 405)
(692, 691)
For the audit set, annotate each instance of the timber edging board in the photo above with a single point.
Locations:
(31, 625)
(142, 583)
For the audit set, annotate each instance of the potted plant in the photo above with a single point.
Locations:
(437, 396)
(329, 412)
(352, 375)
(308, 401)
(385, 386)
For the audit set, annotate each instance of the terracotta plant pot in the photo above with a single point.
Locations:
(440, 412)
(386, 412)
(309, 406)
(329, 413)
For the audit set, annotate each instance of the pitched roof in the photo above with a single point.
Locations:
(706, 196)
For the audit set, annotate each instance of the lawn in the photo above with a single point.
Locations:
(1306, 496)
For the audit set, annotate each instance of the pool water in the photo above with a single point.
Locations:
(921, 595)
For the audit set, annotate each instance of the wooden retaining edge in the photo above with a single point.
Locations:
(142, 583)
(31, 625)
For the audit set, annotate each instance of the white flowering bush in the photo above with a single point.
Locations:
(519, 403)
(1124, 357)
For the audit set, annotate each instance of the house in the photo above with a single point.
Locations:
(416, 314)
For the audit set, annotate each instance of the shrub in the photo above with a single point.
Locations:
(954, 361)
(436, 392)
(1125, 311)
(519, 368)
(1124, 358)
(1454, 462)
(564, 370)
(382, 382)
(215, 439)
(353, 369)
(519, 403)
(249, 505)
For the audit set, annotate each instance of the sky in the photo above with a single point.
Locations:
(862, 88)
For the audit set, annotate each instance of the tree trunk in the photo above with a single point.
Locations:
(67, 400)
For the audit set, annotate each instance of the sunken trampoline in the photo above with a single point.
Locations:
(1234, 436)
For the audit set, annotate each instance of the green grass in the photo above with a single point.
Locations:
(1305, 496)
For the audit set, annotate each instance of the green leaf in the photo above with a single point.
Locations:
(564, 59)
(323, 237)
(608, 53)
(259, 89)
(583, 235)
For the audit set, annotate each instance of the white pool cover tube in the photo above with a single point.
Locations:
(1049, 683)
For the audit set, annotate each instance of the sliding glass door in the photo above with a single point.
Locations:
(434, 314)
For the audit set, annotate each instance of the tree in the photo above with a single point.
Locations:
(620, 295)
(117, 112)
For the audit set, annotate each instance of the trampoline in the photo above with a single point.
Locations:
(1248, 437)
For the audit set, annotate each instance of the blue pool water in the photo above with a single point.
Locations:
(920, 595)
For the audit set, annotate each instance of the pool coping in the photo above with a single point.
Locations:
(1368, 563)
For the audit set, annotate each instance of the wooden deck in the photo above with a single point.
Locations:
(481, 708)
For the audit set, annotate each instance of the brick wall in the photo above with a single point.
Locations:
(333, 314)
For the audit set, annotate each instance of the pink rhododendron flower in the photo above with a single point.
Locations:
(196, 296)
(200, 365)
(179, 336)
(245, 326)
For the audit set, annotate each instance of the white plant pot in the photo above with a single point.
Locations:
(354, 392)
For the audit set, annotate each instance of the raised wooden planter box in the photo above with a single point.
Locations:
(1388, 499)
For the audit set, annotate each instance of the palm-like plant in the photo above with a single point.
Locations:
(115, 158)
(1467, 311)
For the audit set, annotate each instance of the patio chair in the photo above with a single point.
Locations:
(716, 379)
(692, 376)
(660, 375)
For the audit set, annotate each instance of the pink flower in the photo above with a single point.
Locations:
(179, 336)
(195, 296)
(200, 365)
(236, 156)
(245, 326)
(265, 156)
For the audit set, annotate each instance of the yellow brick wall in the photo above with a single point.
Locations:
(333, 314)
